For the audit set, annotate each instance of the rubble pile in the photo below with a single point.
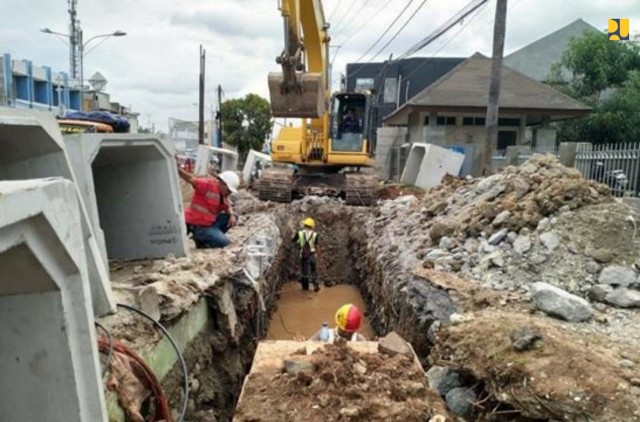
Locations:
(339, 383)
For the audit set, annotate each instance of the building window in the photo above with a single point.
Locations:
(390, 90)
(364, 83)
(473, 121)
(506, 138)
(509, 122)
(446, 121)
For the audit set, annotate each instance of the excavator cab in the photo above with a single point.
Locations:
(351, 118)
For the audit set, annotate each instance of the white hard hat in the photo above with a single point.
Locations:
(231, 179)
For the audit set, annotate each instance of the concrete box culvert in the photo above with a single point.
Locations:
(48, 353)
(132, 188)
(32, 147)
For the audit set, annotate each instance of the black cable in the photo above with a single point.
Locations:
(110, 354)
(386, 30)
(333, 12)
(185, 371)
(366, 22)
(346, 25)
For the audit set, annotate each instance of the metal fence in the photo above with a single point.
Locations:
(615, 165)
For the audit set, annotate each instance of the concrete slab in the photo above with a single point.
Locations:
(32, 147)
(427, 164)
(131, 188)
(229, 159)
(253, 158)
(48, 353)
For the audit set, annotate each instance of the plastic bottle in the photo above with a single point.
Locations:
(324, 333)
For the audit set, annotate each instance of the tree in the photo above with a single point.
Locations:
(590, 67)
(491, 137)
(246, 122)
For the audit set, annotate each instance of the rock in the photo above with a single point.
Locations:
(624, 298)
(501, 218)
(498, 237)
(445, 243)
(599, 292)
(460, 401)
(511, 237)
(564, 209)
(550, 240)
(543, 224)
(195, 385)
(626, 363)
(525, 338)
(560, 304)
(298, 366)
(360, 368)
(522, 244)
(324, 400)
(437, 254)
(471, 245)
(392, 344)
(149, 302)
(592, 267)
(617, 275)
(443, 379)
(603, 256)
(538, 258)
(349, 412)
(457, 319)
(432, 332)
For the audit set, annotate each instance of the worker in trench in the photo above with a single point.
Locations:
(348, 322)
(307, 240)
(210, 214)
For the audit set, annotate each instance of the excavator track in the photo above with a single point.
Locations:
(276, 184)
(361, 189)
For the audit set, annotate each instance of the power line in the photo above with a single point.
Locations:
(340, 18)
(346, 25)
(401, 29)
(333, 12)
(367, 21)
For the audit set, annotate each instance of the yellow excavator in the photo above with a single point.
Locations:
(336, 136)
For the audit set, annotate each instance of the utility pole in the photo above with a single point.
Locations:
(201, 104)
(219, 117)
(491, 137)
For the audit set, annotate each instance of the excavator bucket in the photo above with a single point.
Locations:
(306, 104)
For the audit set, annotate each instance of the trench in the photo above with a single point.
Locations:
(354, 268)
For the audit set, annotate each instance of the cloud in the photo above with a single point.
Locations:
(155, 67)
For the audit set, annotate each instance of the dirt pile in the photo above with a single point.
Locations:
(343, 385)
(542, 367)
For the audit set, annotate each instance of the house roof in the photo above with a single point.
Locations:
(536, 59)
(467, 87)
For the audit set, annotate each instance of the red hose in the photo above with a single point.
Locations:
(162, 413)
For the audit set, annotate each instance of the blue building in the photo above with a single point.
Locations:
(24, 85)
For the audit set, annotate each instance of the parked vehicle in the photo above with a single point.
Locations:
(616, 179)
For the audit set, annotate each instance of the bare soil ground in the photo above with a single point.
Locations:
(562, 376)
(344, 385)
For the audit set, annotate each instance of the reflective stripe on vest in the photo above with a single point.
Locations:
(311, 240)
(212, 195)
(200, 208)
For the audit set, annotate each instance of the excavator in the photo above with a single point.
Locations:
(325, 154)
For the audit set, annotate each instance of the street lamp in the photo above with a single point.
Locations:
(82, 45)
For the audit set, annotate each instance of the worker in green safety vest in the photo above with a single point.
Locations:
(307, 239)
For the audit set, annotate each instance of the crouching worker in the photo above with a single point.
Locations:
(348, 322)
(209, 216)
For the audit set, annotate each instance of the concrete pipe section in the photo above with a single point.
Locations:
(32, 147)
(131, 187)
(48, 353)
(428, 164)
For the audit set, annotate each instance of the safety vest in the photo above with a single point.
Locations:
(206, 203)
(303, 240)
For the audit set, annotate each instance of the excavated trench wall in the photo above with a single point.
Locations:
(354, 250)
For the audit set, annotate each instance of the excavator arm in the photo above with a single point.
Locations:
(301, 90)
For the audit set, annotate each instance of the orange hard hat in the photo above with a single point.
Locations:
(349, 318)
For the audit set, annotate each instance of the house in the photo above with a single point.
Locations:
(536, 59)
(396, 82)
(451, 111)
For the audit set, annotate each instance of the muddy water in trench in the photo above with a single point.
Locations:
(303, 312)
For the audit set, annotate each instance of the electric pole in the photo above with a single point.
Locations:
(491, 138)
(201, 104)
(219, 117)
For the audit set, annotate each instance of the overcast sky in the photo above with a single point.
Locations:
(154, 69)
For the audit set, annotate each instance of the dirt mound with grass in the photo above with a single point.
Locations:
(344, 385)
(545, 369)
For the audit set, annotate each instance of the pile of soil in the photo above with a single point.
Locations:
(343, 385)
(559, 375)
(394, 190)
